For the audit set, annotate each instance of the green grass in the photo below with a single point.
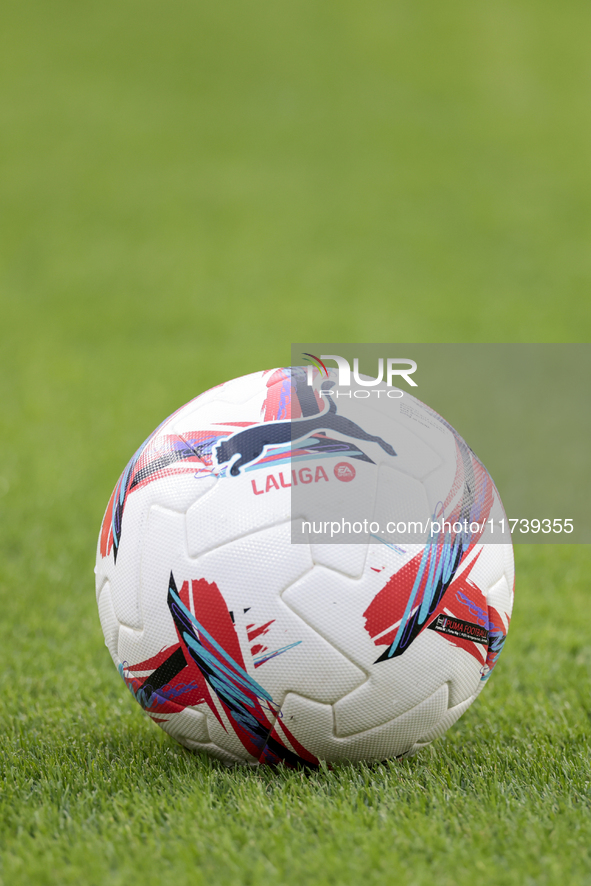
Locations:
(185, 190)
(93, 792)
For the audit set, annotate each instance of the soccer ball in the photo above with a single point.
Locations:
(243, 633)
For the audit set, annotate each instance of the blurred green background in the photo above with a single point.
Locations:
(186, 188)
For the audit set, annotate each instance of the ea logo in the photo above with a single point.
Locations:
(344, 471)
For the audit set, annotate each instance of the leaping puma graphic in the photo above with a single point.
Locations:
(250, 443)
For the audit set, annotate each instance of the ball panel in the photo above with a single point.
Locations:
(109, 621)
(124, 576)
(314, 725)
(237, 508)
(345, 559)
(187, 725)
(448, 719)
(401, 500)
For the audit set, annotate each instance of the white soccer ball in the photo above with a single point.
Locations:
(240, 641)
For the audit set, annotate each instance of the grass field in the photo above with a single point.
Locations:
(186, 190)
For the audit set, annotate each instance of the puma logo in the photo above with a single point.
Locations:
(250, 443)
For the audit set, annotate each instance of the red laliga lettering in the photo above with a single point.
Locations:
(320, 474)
(271, 483)
(305, 475)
